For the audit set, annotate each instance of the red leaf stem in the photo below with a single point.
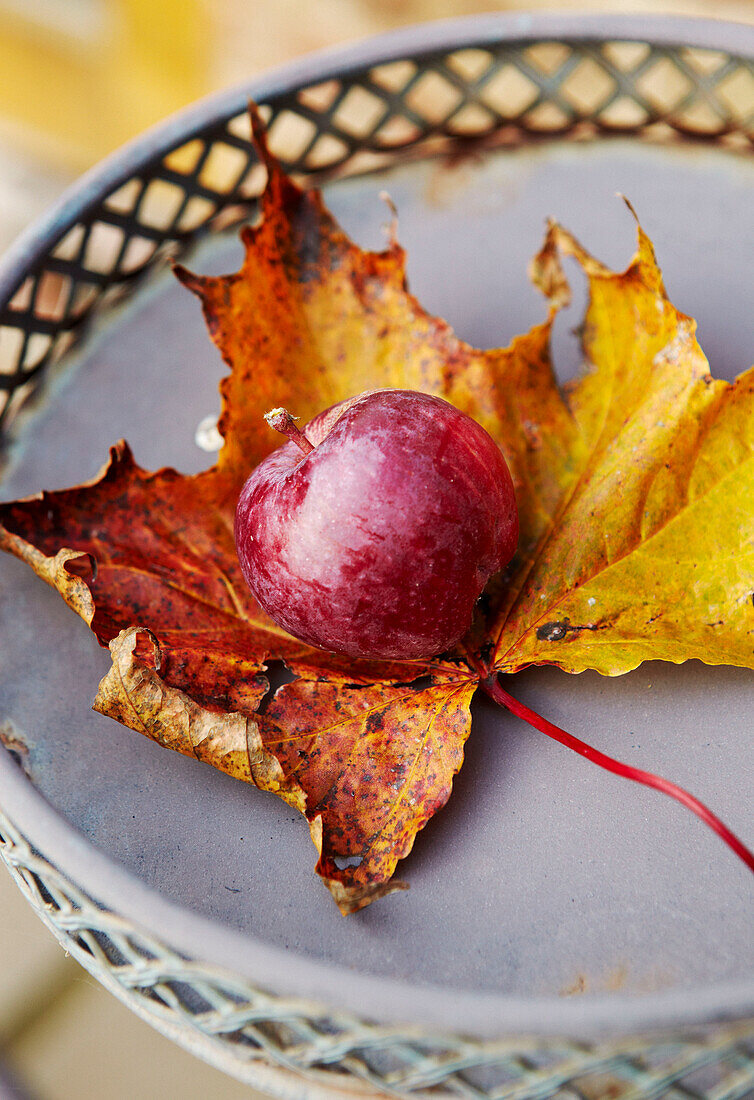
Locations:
(494, 689)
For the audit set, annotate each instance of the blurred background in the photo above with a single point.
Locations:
(79, 78)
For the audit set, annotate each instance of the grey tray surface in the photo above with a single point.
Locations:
(543, 876)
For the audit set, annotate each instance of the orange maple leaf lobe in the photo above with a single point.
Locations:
(311, 319)
(375, 763)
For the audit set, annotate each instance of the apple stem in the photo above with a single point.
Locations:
(282, 421)
(495, 690)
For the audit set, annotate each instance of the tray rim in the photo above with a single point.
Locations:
(484, 1015)
(291, 974)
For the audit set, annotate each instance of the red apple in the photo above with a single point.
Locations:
(373, 532)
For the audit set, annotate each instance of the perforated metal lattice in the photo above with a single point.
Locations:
(505, 92)
(222, 1015)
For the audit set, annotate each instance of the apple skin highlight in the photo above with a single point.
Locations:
(378, 543)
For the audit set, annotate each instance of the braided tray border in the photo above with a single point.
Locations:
(294, 1048)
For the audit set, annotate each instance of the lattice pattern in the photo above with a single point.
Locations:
(222, 1015)
(494, 94)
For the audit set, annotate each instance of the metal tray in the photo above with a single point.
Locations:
(548, 899)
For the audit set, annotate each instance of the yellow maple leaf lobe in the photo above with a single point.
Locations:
(649, 553)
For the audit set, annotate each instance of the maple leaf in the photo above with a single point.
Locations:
(368, 750)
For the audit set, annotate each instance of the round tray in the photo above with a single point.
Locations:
(579, 933)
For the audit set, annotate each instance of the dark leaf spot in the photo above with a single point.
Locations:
(552, 632)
